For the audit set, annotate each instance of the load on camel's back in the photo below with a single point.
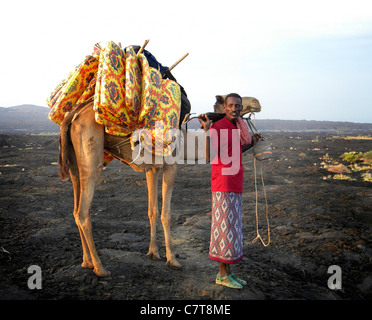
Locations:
(112, 93)
(131, 91)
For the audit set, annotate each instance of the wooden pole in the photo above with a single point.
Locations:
(143, 47)
(178, 61)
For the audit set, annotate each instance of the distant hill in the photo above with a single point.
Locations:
(29, 118)
(23, 112)
(26, 118)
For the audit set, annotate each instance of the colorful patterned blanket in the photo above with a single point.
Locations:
(128, 95)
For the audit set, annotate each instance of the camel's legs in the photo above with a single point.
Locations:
(152, 187)
(74, 174)
(169, 175)
(87, 139)
(85, 225)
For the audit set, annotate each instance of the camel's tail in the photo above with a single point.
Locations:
(65, 144)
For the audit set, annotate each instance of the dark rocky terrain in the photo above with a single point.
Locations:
(315, 222)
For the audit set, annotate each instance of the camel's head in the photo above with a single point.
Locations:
(250, 104)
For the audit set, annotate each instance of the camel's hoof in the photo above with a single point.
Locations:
(101, 272)
(87, 265)
(175, 265)
(153, 256)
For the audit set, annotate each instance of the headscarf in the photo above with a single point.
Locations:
(245, 137)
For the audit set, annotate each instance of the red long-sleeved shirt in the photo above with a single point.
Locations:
(227, 167)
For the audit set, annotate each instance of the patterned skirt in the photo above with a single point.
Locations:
(226, 244)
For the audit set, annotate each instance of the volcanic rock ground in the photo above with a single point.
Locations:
(314, 223)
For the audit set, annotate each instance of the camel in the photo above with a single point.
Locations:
(82, 145)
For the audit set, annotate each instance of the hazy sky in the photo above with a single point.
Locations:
(302, 59)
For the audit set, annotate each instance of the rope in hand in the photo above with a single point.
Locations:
(266, 207)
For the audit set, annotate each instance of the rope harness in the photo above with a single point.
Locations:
(266, 207)
(258, 237)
